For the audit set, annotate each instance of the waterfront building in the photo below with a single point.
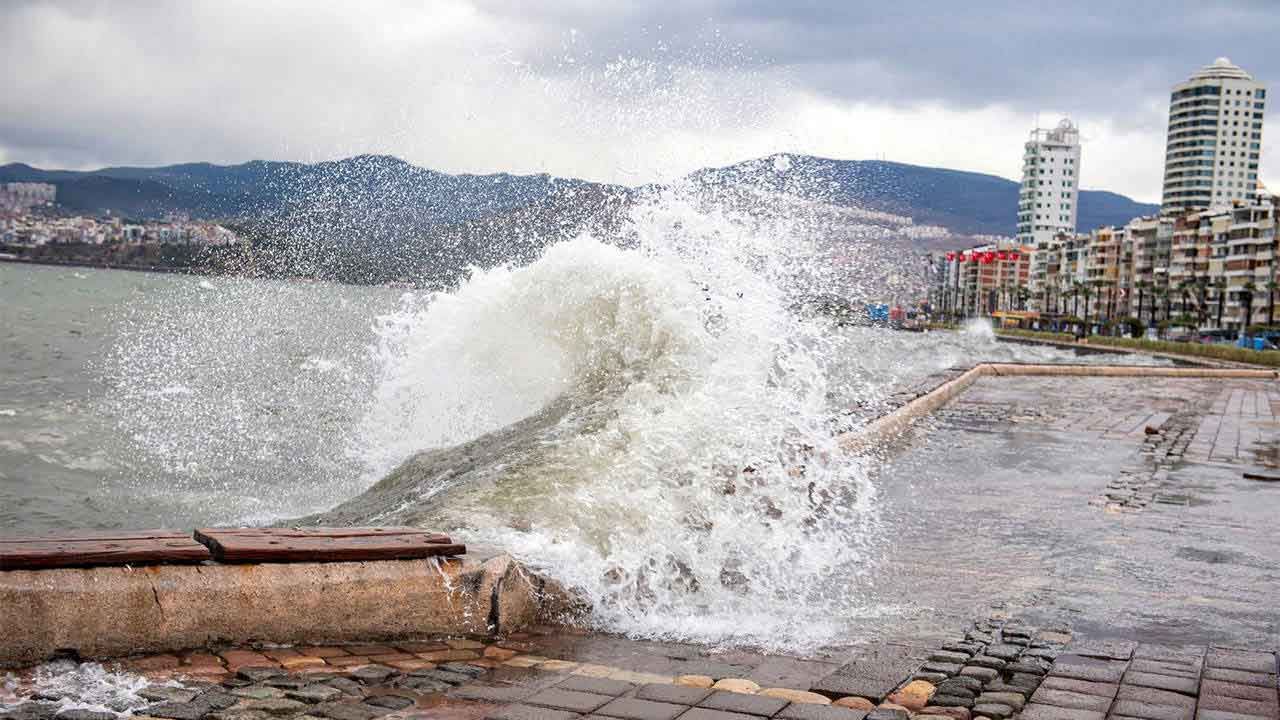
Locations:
(16, 197)
(1214, 139)
(1047, 198)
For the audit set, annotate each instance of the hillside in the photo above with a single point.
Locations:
(381, 195)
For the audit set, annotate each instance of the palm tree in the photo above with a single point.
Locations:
(1247, 296)
(1141, 287)
(1075, 298)
(1271, 301)
(1221, 286)
(1087, 291)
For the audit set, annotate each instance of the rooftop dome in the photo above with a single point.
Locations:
(1221, 68)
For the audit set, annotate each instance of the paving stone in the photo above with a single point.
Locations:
(599, 686)
(709, 714)
(30, 711)
(391, 702)
(637, 709)
(1004, 651)
(1092, 669)
(740, 703)
(1049, 654)
(1107, 690)
(1151, 711)
(1105, 649)
(941, 667)
(166, 693)
(1161, 667)
(374, 674)
(994, 711)
(929, 677)
(492, 693)
(1240, 677)
(810, 711)
(346, 711)
(346, 685)
(677, 694)
(884, 713)
(988, 662)
(954, 713)
(968, 648)
(838, 685)
(314, 694)
(1030, 666)
(1013, 700)
(279, 707)
(257, 692)
(527, 712)
(1223, 715)
(217, 699)
(971, 684)
(1036, 711)
(1067, 699)
(951, 701)
(1240, 706)
(179, 711)
(257, 673)
(463, 669)
(982, 674)
(1155, 696)
(444, 676)
(947, 656)
(1236, 690)
(580, 702)
(286, 682)
(1247, 660)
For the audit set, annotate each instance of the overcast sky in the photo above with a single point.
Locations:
(611, 90)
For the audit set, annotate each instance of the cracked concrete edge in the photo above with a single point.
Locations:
(105, 612)
(895, 422)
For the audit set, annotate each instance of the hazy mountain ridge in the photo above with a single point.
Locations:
(384, 189)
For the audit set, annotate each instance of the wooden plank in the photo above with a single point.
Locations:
(324, 545)
(387, 531)
(55, 552)
(98, 536)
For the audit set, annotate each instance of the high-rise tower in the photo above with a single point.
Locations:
(1214, 139)
(1050, 184)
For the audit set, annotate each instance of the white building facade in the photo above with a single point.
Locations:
(1048, 199)
(1214, 140)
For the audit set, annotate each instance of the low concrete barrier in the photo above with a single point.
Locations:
(894, 422)
(106, 612)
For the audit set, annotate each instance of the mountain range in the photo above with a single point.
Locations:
(966, 203)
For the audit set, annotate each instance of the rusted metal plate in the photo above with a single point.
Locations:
(245, 545)
(97, 548)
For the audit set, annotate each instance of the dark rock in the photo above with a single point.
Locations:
(989, 662)
(946, 656)
(85, 715)
(463, 669)
(258, 692)
(391, 702)
(236, 682)
(259, 674)
(314, 694)
(179, 711)
(443, 676)
(1004, 651)
(373, 674)
(994, 711)
(346, 685)
(166, 693)
(941, 667)
(1024, 680)
(30, 711)
(217, 699)
(968, 648)
(1034, 666)
(982, 674)
(971, 684)
(930, 677)
(942, 700)
(887, 714)
(978, 636)
(278, 707)
(423, 684)
(347, 711)
(287, 682)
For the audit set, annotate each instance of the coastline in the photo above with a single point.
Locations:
(101, 266)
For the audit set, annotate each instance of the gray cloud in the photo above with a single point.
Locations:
(620, 91)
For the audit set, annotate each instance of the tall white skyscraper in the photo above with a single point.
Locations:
(1214, 140)
(1050, 184)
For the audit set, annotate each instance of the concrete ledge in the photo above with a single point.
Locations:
(113, 611)
(894, 422)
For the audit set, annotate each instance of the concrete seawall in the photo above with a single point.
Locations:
(113, 611)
